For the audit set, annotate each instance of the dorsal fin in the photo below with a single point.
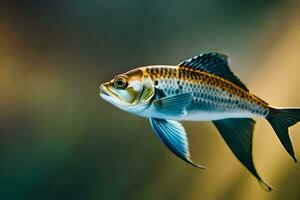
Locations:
(213, 63)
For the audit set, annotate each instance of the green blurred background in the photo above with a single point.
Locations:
(59, 140)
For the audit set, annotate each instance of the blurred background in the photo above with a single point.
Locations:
(59, 140)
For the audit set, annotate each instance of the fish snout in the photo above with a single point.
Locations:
(103, 90)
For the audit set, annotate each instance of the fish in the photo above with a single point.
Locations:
(202, 88)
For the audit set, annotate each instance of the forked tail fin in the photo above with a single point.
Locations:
(281, 119)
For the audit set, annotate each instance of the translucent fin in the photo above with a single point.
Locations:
(281, 120)
(214, 63)
(238, 134)
(174, 104)
(173, 135)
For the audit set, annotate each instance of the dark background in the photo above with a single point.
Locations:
(59, 140)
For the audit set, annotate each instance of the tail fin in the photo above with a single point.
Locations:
(281, 119)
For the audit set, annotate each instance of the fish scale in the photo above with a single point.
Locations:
(210, 94)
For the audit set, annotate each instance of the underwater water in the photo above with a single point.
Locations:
(59, 140)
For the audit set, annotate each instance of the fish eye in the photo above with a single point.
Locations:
(120, 82)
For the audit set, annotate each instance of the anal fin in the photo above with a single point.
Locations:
(238, 134)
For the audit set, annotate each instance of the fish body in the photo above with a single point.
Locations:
(212, 97)
(202, 88)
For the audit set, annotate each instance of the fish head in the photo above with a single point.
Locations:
(128, 90)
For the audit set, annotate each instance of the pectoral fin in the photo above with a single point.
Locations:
(238, 134)
(173, 135)
(176, 104)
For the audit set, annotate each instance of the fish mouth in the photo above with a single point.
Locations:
(103, 91)
(106, 94)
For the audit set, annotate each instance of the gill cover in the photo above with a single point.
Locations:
(148, 89)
